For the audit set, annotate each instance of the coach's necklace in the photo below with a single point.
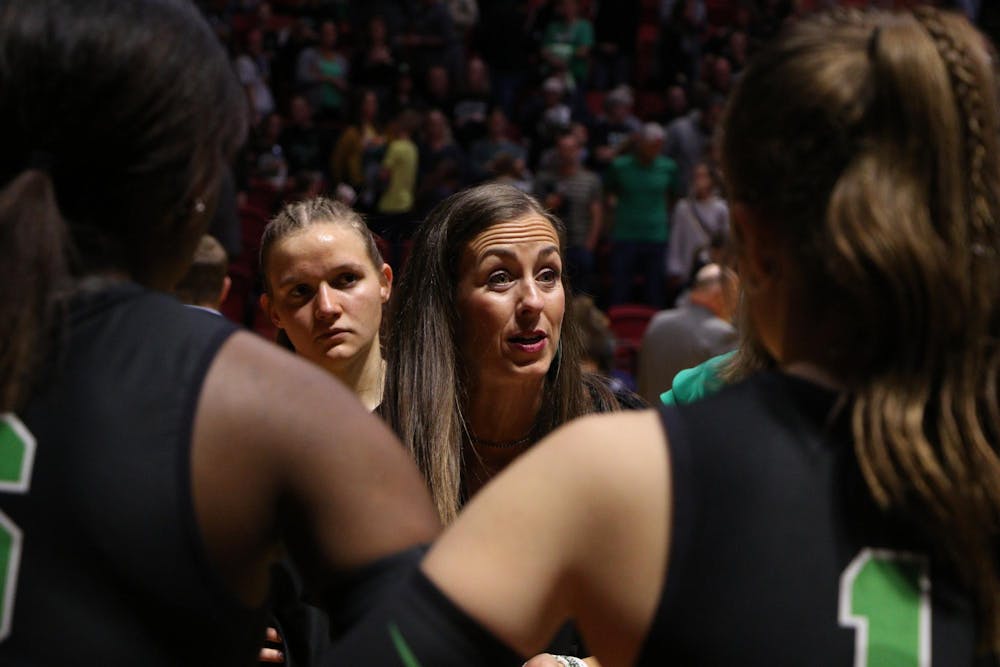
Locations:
(502, 444)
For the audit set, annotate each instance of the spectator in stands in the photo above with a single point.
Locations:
(205, 285)
(305, 146)
(547, 116)
(437, 91)
(299, 37)
(404, 96)
(599, 351)
(432, 40)
(465, 16)
(679, 48)
(612, 132)
(270, 163)
(749, 357)
(616, 24)
(677, 105)
(566, 47)
(307, 81)
(270, 33)
(504, 42)
(375, 62)
(399, 177)
(512, 171)
(598, 340)
(393, 12)
(642, 185)
(357, 157)
(443, 169)
(472, 104)
(700, 224)
(738, 51)
(496, 142)
(722, 76)
(324, 288)
(693, 332)
(253, 68)
(575, 195)
(539, 15)
(549, 160)
(689, 137)
(330, 69)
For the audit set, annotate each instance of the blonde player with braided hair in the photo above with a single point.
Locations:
(842, 509)
(325, 286)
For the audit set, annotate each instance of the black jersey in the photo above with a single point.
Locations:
(101, 560)
(778, 554)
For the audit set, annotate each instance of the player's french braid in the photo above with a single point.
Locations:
(969, 96)
(972, 97)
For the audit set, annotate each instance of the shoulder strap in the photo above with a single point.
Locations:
(701, 221)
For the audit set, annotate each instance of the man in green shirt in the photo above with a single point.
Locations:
(643, 185)
(567, 42)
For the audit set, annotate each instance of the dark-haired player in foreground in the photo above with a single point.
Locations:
(153, 458)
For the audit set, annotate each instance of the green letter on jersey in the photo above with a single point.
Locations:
(17, 455)
(885, 597)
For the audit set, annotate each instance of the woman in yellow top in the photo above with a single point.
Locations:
(357, 155)
(399, 173)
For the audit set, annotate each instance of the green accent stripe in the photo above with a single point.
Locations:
(12, 450)
(402, 648)
(6, 546)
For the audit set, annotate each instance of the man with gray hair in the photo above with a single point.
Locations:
(642, 185)
(689, 138)
(612, 132)
(682, 337)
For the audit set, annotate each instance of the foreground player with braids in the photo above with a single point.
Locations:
(842, 509)
(152, 457)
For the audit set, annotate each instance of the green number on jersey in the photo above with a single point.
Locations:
(17, 455)
(885, 597)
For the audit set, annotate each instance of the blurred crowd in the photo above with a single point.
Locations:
(605, 111)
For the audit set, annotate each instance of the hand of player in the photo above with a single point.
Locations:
(272, 655)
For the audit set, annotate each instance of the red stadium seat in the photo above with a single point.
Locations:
(628, 323)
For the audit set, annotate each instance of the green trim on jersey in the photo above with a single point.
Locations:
(17, 458)
(402, 648)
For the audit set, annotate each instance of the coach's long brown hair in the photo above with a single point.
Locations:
(868, 141)
(426, 385)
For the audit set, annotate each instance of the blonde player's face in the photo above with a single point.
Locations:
(327, 295)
